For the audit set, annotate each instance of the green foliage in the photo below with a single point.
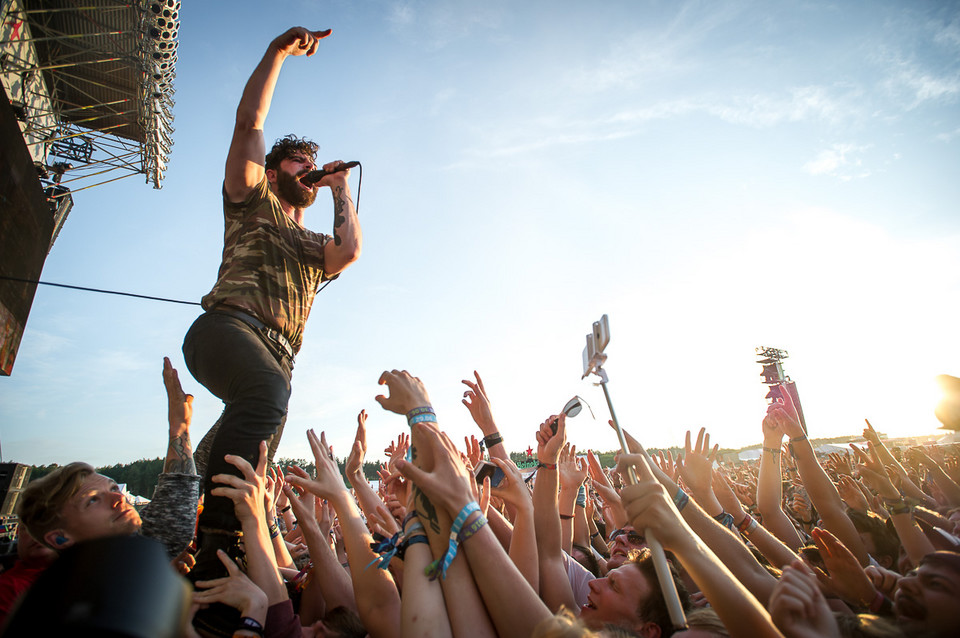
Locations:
(140, 476)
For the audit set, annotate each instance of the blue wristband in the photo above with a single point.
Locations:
(440, 566)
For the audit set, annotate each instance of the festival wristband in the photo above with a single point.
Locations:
(546, 466)
(472, 528)
(797, 439)
(439, 567)
(492, 439)
(680, 499)
(249, 624)
(421, 414)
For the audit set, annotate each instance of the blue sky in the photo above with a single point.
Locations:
(714, 176)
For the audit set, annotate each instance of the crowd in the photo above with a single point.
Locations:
(795, 544)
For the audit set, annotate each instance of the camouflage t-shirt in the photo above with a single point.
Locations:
(272, 266)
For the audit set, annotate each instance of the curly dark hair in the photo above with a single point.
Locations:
(287, 146)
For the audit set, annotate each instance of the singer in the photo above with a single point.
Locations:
(243, 346)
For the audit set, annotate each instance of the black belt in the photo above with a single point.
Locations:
(273, 335)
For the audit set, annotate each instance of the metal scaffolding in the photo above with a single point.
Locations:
(92, 83)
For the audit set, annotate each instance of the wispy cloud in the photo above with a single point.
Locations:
(842, 161)
(437, 25)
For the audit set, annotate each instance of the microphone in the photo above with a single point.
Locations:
(313, 177)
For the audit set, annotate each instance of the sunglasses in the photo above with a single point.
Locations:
(633, 537)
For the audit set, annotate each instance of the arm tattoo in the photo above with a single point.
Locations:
(339, 203)
(179, 456)
(426, 510)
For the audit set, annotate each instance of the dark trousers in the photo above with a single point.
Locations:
(233, 361)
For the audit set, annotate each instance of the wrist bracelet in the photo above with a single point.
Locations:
(416, 539)
(492, 439)
(421, 414)
(900, 508)
(285, 509)
(274, 530)
(680, 499)
(546, 466)
(566, 517)
(249, 624)
(439, 567)
(876, 603)
(472, 529)
(797, 439)
(595, 534)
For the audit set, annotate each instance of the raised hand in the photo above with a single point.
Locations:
(844, 576)
(798, 607)
(478, 404)
(474, 455)
(512, 489)
(299, 41)
(573, 471)
(697, 466)
(784, 414)
(396, 451)
(406, 392)
(648, 506)
(447, 485)
(328, 482)
(550, 441)
(851, 494)
(358, 451)
(870, 434)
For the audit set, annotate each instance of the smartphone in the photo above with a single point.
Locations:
(485, 469)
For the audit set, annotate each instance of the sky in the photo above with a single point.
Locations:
(713, 176)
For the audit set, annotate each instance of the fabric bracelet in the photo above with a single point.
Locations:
(566, 517)
(744, 524)
(274, 530)
(726, 520)
(421, 414)
(472, 528)
(680, 499)
(546, 466)
(439, 567)
(250, 624)
(285, 509)
(492, 439)
(797, 439)
(416, 539)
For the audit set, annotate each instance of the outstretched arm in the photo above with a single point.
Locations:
(244, 168)
(649, 507)
(821, 489)
(179, 413)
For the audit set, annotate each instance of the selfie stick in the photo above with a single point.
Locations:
(665, 578)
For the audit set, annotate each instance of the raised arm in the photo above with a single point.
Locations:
(770, 487)
(378, 602)
(649, 506)
(478, 404)
(244, 169)
(821, 489)
(179, 414)
(512, 603)
(555, 587)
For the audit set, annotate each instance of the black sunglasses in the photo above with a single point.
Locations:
(633, 537)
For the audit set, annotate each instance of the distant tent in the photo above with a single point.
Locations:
(133, 499)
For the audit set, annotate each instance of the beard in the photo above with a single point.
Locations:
(291, 191)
